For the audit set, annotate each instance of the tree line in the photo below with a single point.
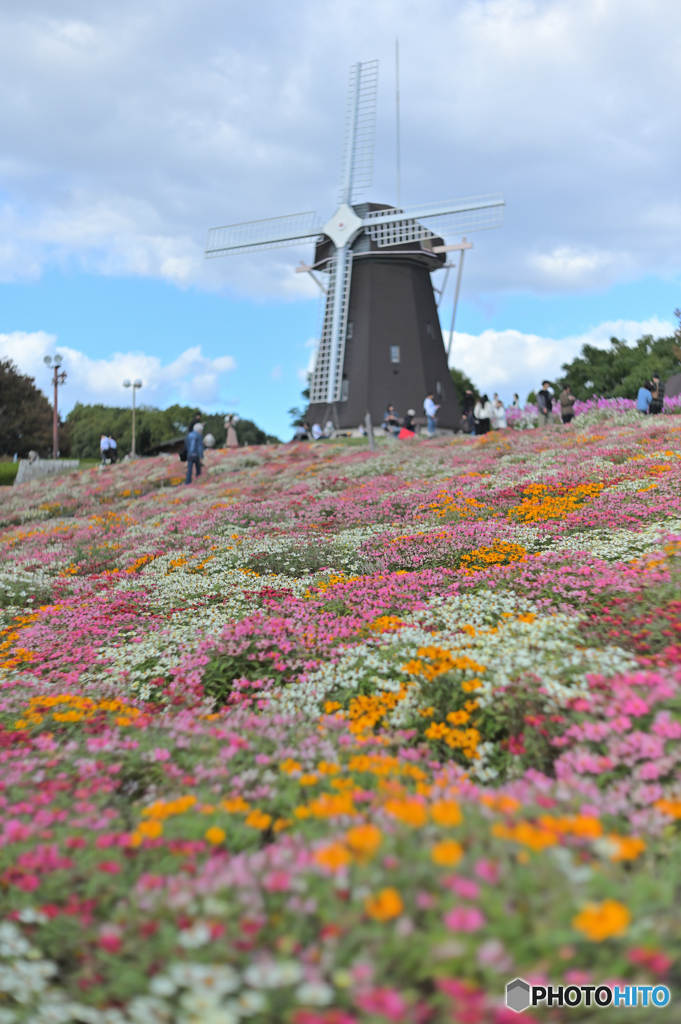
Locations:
(26, 423)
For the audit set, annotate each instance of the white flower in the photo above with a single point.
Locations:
(195, 937)
(161, 985)
(273, 974)
(148, 1010)
(248, 1003)
(314, 993)
(31, 915)
(12, 942)
(215, 978)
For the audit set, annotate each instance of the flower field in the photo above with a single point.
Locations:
(334, 737)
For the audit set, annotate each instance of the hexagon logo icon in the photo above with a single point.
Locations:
(517, 995)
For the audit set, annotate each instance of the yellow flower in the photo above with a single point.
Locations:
(600, 921)
(384, 905)
(446, 813)
(216, 835)
(447, 853)
(332, 857)
(364, 840)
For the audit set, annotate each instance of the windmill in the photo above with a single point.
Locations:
(380, 340)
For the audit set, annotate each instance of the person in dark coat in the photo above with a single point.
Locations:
(194, 448)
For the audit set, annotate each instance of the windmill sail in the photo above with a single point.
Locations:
(273, 233)
(392, 227)
(357, 165)
(326, 382)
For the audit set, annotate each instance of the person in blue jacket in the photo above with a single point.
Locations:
(644, 398)
(194, 447)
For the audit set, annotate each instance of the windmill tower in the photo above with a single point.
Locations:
(380, 340)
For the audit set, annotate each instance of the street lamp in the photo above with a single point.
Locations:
(57, 379)
(135, 384)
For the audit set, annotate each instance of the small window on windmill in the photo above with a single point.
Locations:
(345, 389)
(430, 332)
(438, 389)
(394, 353)
(350, 331)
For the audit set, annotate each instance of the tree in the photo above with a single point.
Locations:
(296, 413)
(25, 415)
(618, 372)
(462, 383)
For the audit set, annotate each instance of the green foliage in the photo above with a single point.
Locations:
(618, 372)
(87, 423)
(8, 471)
(462, 383)
(25, 415)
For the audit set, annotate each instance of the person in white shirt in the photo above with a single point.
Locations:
(316, 431)
(483, 415)
(498, 415)
(430, 409)
(104, 448)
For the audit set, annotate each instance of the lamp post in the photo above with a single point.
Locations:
(57, 379)
(135, 384)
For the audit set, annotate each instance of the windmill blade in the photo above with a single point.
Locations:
(272, 233)
(326, 382)
(393, 227)
(357, 165)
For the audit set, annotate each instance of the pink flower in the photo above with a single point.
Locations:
(110, 867)
(277, 881)
(110, 938)
(487, 870)
(464, 919)
(160, 754)
(466, 888)
(385, 1001)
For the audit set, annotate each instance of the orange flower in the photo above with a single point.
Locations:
(626, 847)
(447, 853)
(237, 805)
(310, 779)
(600, 921)
(409, 811)
(256, 819)
(216, 835)
(150, 829)
(332, 857)
(364, 840)
(670, 807)
(386, 904)
(446, 813)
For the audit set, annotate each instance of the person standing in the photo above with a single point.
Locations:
(113, 450)
(230, 427)
(467, 417)
(430, 409)
(498, 414)
(567, 402)
(515, 404)
(657, 392)
(483, 415)
(104, 448)
(545, 404)
(644, 398)
(194, 448)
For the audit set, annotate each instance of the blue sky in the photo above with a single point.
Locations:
(128, 129)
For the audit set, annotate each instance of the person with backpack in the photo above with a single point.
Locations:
(657, 393)
(194, 448)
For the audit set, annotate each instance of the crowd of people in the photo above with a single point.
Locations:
(650, 398)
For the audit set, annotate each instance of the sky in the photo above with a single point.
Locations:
(128, 129)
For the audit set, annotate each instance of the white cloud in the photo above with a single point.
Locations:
(128, 130)
(510, 361)
(190, 379)
(276, 373)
